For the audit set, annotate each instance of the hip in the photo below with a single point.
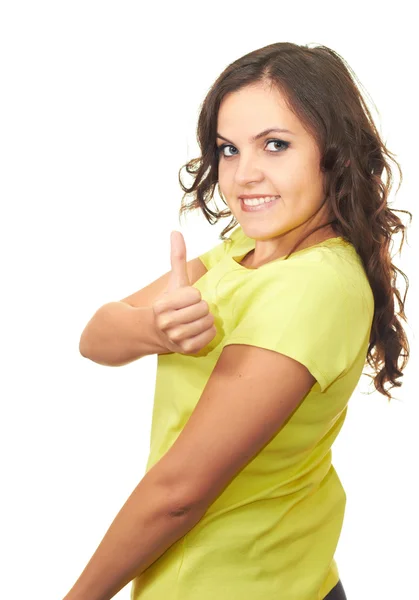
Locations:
(336, 593)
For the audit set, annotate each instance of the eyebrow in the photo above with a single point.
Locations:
(259, 135)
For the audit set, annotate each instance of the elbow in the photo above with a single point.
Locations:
(180, 511)
(188, 504)
(178, 502)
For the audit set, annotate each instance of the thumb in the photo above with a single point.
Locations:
(179, 274)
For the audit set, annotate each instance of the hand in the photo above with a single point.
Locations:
(182, 319)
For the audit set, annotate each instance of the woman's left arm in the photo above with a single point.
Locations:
(248, 397)
(151, 520)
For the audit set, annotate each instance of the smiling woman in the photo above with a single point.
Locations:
(310, 277)
(286, 169)
(240, 498)
(328, 165)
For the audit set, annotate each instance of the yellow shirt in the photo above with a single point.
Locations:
(273, 531)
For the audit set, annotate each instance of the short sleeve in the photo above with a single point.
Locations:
(305, 311)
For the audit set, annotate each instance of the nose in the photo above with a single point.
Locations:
(247, 171)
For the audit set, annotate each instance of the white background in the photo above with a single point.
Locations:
(99, 104)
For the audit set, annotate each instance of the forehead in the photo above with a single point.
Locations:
(253, 109)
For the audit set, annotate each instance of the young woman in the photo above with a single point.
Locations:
(263, 345)
(293, 332)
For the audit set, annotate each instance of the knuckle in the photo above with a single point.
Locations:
(158, 305)
(176, 334)
(188, 346)
(163, 322)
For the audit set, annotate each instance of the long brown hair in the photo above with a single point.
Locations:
(319, 87)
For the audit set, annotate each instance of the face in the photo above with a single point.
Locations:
(278, 164)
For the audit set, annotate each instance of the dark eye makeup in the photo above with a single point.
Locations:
(221, 148)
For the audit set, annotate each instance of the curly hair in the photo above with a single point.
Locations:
(319, 87)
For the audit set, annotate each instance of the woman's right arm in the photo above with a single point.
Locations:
(124, 331)
(118, 334)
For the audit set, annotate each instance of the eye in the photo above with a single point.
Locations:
(220, 149)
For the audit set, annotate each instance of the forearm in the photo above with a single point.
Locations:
(141, 532)
(118, 334)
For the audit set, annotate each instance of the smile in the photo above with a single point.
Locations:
(260, 206)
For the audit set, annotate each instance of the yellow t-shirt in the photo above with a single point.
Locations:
(272, 533)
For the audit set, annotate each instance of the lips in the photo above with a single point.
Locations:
(252, 196)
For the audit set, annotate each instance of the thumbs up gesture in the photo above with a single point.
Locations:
(182, 319)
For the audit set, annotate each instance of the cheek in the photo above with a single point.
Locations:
(290, 182)
(302, 182)
(223, 178)
(290, 173)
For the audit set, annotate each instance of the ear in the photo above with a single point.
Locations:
(348, 162)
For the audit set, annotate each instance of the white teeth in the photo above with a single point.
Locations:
(256, 201)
